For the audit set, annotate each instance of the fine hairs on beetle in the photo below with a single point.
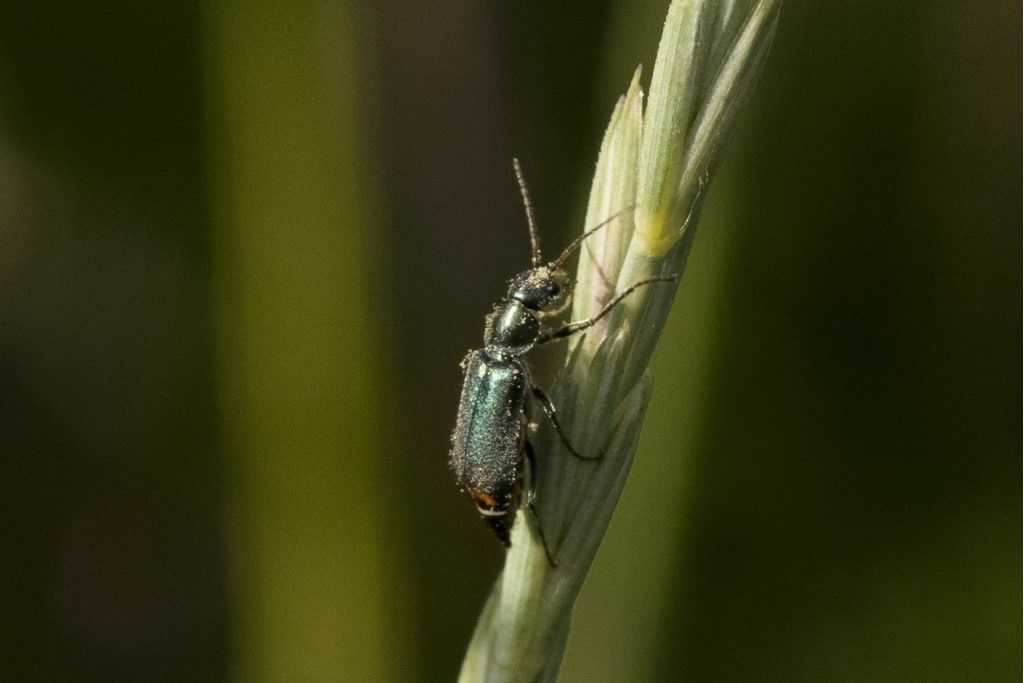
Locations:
(491, 453)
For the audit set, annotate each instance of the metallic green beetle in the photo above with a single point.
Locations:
(490, 437)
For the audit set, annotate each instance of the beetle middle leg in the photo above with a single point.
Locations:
(549, 410)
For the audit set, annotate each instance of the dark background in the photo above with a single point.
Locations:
(243, 248)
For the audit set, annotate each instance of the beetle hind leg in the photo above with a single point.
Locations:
(531, 459)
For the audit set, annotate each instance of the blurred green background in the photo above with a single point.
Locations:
(243, 248)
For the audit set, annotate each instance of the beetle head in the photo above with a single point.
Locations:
(539, 288)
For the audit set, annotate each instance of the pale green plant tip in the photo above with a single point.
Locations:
(708, 59)
(728, 92)
(674, 91)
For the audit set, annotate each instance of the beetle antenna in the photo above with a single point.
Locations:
(574, 245)
(534, 240)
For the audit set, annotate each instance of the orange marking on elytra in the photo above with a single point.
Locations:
(482, 496)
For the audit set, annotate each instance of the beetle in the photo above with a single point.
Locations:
(490, 451)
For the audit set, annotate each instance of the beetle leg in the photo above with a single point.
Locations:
(531, 459)
(580, 325)
(549, 409)
(555, 312)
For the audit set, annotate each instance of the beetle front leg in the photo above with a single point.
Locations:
(580, 325)
(555, 312)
